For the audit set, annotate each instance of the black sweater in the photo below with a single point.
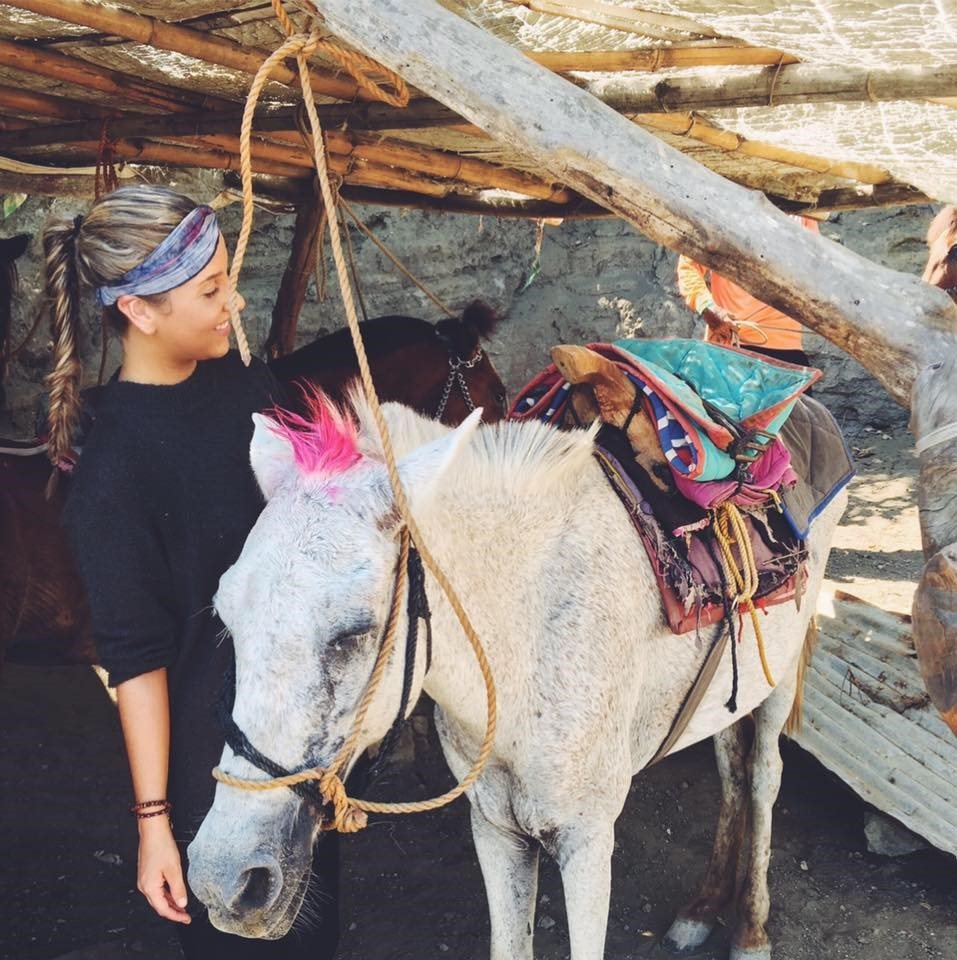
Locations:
(159, 508)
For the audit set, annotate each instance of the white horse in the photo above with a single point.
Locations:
(589, 676)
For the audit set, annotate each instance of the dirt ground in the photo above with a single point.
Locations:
(412, 887)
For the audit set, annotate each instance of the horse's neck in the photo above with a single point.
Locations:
(522, 567)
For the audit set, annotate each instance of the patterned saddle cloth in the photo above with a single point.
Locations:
(723, 443)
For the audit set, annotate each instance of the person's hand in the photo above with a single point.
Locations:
(721, 324)
(160, 871)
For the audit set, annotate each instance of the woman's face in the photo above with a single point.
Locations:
(194, 323)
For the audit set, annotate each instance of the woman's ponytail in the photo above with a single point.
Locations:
(120, 231)
(63, 294)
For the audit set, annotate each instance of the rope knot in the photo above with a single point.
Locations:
(347, 817)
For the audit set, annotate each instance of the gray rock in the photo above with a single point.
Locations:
(887, 837)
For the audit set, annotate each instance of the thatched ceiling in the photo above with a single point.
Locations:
(834, 135)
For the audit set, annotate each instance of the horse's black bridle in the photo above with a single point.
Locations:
(240, 744)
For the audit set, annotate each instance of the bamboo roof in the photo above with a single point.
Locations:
(824, 104)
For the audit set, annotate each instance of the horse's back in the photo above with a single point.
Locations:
(380, 336)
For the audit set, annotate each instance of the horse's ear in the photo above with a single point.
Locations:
(421, 470)
(270, 454)
(11, 248)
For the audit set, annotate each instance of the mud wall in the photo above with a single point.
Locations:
(592, 280)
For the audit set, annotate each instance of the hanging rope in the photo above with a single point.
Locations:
(301, 46)
(105, 178)
(353, 269)
(349, 813)
(396, 261)
(730, 532)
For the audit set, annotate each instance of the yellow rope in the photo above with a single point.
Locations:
(350, 813)
(731, 531)
(301, 46)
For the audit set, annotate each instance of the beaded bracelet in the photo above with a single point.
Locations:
(164, 809)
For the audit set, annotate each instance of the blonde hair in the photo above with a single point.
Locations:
(121, 230)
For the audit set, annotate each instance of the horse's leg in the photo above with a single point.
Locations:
(584, 857)
(510, 868)
(695, 922)
(750, 940)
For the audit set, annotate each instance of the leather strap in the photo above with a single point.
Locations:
(695, 694)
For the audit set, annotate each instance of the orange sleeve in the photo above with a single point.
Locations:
(692, 285)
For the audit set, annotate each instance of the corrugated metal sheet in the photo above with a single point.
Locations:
(868, 718)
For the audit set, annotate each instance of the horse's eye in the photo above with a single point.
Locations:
(350, 640)
(952, 254)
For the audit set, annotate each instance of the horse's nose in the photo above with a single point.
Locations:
(255, 889)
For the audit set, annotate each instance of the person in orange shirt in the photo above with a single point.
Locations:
(729, 310)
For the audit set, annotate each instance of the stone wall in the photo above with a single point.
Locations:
(595, 280)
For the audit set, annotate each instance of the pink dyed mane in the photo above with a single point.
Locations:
(325, 441)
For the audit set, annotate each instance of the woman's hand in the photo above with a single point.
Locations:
(721, 324)
(160, 871)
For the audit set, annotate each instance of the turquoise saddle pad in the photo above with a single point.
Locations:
(710, 385)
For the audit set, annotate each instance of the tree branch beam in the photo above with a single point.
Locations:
(890, 322)
(191, 43)
(773, 86)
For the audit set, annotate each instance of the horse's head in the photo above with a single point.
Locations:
(11, 249)
(306, 604)
(941, 269)
(472, 379)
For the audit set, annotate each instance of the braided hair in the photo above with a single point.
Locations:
(121, 230)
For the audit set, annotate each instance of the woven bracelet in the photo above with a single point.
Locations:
(164, 808)
(163, 811)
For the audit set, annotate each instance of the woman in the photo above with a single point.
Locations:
(160, 504)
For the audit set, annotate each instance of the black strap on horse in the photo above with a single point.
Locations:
(746, 445)
(240, 744)
(418, 609)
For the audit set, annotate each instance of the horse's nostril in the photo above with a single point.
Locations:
(257, 889)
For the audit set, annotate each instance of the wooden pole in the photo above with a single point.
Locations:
(223, 154)
(219, 130)
(643, 22)
(194, 123)
(577, 209)
(295, 279)
(57, 66)
(354, 117)
(892, 323)
(934, 611)
(191, 43)
(43, 105)
(660, 58)
(695, 128)
(856, 198)
(774, 86)
(177, 155)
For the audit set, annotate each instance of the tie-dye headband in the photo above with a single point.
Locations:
(180, 257)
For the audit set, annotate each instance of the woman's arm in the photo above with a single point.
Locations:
(143, 702)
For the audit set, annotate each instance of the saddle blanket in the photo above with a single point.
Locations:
(686, 564)
(701, 397)
(804, 457)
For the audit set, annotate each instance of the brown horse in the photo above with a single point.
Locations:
(433, 368)
(941, 269)
(441, 370)
(11, 249)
